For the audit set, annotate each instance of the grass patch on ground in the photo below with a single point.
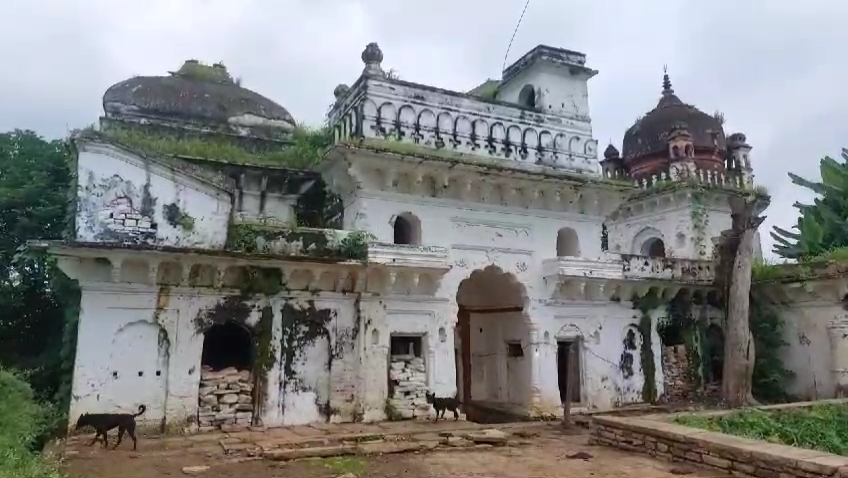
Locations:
(22, 424)
(821, 427)
(346, 464)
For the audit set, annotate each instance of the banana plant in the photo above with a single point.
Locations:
(822, 226)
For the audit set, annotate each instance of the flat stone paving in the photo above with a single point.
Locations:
(314, 435)
(550, 454)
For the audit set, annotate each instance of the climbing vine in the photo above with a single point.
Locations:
(645, 305)
(700, 221)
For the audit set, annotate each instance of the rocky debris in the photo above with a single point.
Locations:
(681, 470)
(580, 455)
(456, 442)
(409, 379)
(489, 436)
(346, 475)
(194, 470)
(679, 386)
(225, 399)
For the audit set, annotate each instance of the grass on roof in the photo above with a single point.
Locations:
(302, 152)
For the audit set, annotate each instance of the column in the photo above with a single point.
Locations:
(535, 385)
(838, 333)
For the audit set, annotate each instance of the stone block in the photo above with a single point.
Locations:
(229, 399)
(716, 462)
(209, 400)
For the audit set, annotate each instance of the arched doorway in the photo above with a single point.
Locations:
(494, 377)
(654, 247)
(227, 380)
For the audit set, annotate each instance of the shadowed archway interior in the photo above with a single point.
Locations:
(491, 341)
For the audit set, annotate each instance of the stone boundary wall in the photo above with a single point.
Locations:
(736, 455)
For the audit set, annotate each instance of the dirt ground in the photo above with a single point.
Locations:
(547, 456)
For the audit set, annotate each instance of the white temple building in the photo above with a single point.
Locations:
(479, 239)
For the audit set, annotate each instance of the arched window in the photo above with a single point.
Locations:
(527, 96)
(675, 151)
(690, 151)
(407, 229)
(567, 244)
(653, 247)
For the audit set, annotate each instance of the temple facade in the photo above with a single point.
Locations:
(465, 244)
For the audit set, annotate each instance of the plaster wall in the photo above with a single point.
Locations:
(124, 198)
(516, 241)
(674, 226)
(141, 345)
(600, 329)
(425, 317)
(468, 228)
(561, 92)
(808, 352)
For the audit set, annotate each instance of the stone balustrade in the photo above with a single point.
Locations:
(410, 113)
(671, 269)
(624, 267)
(403, 255)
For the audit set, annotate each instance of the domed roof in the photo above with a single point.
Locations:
(648, 135)
(197, 93)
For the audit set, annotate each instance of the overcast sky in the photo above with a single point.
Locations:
(776, 68)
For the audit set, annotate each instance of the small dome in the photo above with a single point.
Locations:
(196, 93)
(611, 152)
(648, 135)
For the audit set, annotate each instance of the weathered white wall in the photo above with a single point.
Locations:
(474, 227)
(600, 328)
(126, 330)
(674, 226)
(516, 241)
(135, 191)
(561, 92)
(808, 351)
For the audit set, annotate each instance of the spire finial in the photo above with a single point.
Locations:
(666, 82)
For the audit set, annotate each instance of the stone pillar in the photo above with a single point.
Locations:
(535, 385)
(838, 333)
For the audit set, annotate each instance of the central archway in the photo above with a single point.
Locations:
(493, 345)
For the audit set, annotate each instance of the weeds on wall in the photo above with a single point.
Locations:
(302, 150)
(771, 377)
(700, 221)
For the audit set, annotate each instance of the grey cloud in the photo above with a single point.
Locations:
(774, 68)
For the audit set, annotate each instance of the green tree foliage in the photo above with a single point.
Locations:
(822, 225)
(34, 182)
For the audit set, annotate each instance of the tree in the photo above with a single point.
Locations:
(822, 226)
(733, 276)
(34, 184)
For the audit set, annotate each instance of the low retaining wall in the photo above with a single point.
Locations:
(741, 456)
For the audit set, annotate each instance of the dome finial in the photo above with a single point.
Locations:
(667, 90)
(372, 56)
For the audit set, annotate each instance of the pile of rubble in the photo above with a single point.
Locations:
(225, 398)
(679, 386)
(409, 386)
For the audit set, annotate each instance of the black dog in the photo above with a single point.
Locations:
(103, 422)
(443, 404)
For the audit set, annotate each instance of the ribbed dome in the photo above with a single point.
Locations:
(196, 93)
(648, 135)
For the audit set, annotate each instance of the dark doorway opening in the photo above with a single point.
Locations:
(227, 345)
(564, 356)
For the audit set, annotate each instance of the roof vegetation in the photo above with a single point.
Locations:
(196, 70)
(302, 151)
